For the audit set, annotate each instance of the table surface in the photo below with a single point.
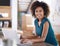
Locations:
(9, 43)
(36, 44)
(42, 44)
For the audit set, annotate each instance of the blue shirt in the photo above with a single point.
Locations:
(50, 38)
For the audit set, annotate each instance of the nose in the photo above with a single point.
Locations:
(39, 13)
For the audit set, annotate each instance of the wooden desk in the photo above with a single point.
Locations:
(36, 44)
(10, 43)
(42, 44)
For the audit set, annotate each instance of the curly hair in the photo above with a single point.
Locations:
(40, 4)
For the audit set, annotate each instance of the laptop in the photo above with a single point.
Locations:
(11, 35)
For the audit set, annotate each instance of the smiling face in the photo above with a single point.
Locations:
(39, 13)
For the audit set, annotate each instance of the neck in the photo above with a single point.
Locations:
(40, 20)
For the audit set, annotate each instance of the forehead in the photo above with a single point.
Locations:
(39, 8)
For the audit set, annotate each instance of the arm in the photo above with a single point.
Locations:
(44, 34)
(31, 36)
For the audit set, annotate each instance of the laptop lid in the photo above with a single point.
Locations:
(11, 34)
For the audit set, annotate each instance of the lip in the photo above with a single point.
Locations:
(39, 15)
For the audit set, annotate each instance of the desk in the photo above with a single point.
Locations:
(42, 44)
(7, 42)
(39, 43)
(36, 44)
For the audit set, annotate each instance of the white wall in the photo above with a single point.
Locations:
(56, 29)
(14, 14)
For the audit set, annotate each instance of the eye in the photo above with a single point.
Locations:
(36, 11)
(40, 10)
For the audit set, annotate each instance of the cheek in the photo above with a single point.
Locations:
(43, 13)
(36, 14)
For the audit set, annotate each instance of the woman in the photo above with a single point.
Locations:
(43, 28)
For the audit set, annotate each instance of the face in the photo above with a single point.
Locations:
(39, 12)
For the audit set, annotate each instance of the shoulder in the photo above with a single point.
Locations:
(46, 24)
(45, 20)
(35, 21)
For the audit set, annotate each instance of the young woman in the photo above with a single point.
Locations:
(43, 28)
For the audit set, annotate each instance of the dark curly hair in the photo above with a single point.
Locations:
(40, 4)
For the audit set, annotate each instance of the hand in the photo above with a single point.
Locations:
(25, 40)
